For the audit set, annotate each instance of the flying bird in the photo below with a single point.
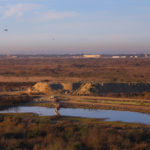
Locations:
(5, 30)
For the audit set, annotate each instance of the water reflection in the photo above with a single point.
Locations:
(14, 109)
(56, 110)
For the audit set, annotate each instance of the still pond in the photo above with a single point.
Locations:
(109, 115)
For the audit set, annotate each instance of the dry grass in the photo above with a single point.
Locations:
(126, 104)
(105, 70)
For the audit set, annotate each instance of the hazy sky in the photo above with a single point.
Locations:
(74, 26)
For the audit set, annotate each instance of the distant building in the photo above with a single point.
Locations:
(115, 57)
(10, 57)
(133, 56)
(91, 56)
(123, 56)
(76, 56)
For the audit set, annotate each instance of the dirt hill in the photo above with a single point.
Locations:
(85, 89)
(88, 88)
(50, 88)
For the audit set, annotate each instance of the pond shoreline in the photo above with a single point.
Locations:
(91, 102)
(106, 115)
(99, 103)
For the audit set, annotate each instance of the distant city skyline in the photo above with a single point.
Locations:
(68, 26)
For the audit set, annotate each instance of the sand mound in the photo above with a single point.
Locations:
(85, 89)
(67, 86)
(78, 88)
(40, 87)
(49, 88)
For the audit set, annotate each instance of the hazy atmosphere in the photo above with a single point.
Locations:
(74, 26)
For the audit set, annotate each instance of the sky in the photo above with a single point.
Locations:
(74, 26)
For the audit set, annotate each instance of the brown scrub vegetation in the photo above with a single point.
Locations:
(30, 132)
(105, 70)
